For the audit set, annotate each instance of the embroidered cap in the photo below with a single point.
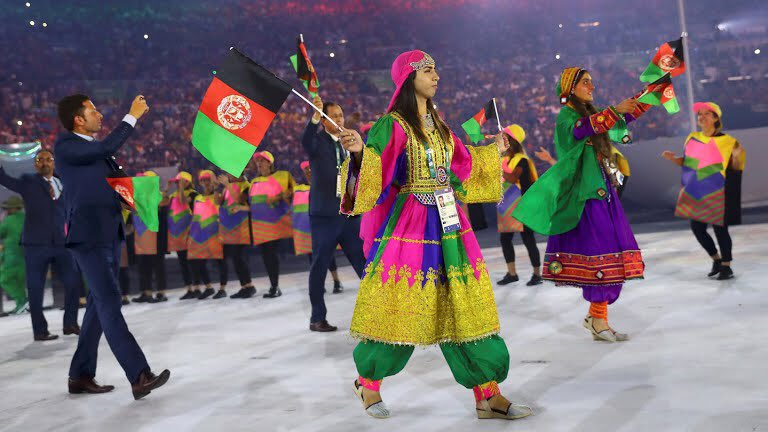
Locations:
(567, 82)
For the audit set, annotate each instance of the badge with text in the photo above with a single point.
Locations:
(338, 184)
(446, 207)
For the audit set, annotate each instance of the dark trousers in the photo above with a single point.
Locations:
(186, 270)
(705, 240)
(236, 254)
(37, 260)
(100, 265)
(199, 270)
(269, 253)
(332, 266)
(528, 240)
(327, 232)
(149, 266)
(125, 280)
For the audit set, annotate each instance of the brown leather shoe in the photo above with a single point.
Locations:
(322, 326)
(148, 382)
(46, 337)
(87, 385)
(74, 330)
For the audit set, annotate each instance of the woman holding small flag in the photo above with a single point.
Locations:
(150, 256)
(575, 202)
(519, 174)
(204, 239)
(271, 194)
(235, 231)
(712, 165)
(426, 281)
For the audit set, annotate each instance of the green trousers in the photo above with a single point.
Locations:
(14, 282)
(472, 363)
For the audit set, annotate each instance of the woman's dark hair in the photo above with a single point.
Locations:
(69, 108)
(406, 106)
(600, 142)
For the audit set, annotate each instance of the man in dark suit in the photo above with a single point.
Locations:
(328, 227)
(43, 241)
(94, 231)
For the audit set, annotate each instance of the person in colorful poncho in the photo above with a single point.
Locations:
(591, 244)
(180, 203)
(204, 239)
(149, 248)
(423, 286)
(519, 174)
(271, 193)
(712, 165)
(302, 234)
(235, 230)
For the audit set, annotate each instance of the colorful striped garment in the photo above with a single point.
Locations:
(270, 214)
(144, 240)
(302, 235)
(204, 240)
(234, 226)
(702, 197)
(179, 220)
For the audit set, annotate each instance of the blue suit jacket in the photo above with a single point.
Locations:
(93, 213)
(321, 150)
(43, 216)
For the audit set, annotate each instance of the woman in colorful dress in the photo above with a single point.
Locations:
(204, 243)
(302, 234)
(235, 230)
(150, 257)
(271, 193)
(591, 244)
(180, 203)
(519, 174)
(426, 282)
(712, 165)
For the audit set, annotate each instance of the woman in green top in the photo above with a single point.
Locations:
(12, 269)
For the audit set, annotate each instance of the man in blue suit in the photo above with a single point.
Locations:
(43, 241)
(328, 227)
(94, 232)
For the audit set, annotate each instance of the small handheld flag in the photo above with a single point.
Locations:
(669, 59)
(304, 69)
(473, 126)
(661, 92)
(142, 194)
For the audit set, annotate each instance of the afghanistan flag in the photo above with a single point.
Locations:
(142, 194)
(661, 92)
(473, 126)
(236, 112)
(304, 69)
(668, 59)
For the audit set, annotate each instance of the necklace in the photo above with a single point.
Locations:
(429, 122)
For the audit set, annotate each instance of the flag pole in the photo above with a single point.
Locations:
(496, 110)
(316, 108)
(688, 62)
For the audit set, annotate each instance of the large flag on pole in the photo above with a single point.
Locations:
(670, 59)
(473, 126)
(661, 92)
(236, 112)
(304, 69)
(142, 194)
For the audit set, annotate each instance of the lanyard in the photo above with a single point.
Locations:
(439, 173)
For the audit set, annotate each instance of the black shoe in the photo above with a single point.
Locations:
(508, 279)
(725, 273)
(161, 298)
(535, 280)
(337, 287)
(238, 295)
(190, 295)
(207, 293)
(717, 265)
(322, 326)
(126, 301)
(244, 293)
(221, 293)
(273, 292)
(46, 337)
(143, 298)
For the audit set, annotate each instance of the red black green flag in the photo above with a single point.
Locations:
(142, 194)
(668, 59)
(661, 92)
(473, 126)
(304, 69)
(236, 112)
